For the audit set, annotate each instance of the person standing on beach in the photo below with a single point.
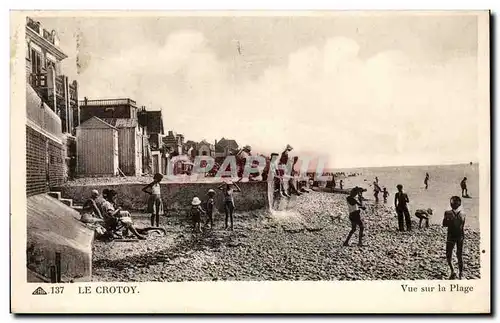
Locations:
(210, 208)
(155, 204)
(341, 184)
(426, 180)
(386, 194)
(228, 189)
(354, 207)
(196, 212)
(463, 186)
(376, 189)
(454, 220)
(401, 201)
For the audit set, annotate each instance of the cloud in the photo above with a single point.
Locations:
(386, 109)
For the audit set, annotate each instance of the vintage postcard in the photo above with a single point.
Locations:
(250, 162)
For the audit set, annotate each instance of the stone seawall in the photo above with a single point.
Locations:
(176, 196)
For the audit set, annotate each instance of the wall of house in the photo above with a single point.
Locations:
(44, 163)
(176, 196)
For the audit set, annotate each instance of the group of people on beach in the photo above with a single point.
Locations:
(454, 219)
(103, 209)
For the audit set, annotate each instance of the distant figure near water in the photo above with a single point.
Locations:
(386, 194)
(376, 189)
(463, 186)
(426, 180)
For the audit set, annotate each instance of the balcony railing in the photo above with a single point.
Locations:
(33, 25)
(104, 102)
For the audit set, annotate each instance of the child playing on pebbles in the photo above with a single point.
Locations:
(355, 215)
(195, 212)
(454, 220)
(423, 215)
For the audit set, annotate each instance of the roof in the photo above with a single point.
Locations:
(226, 143)
(95, 123)
(121, 122)
(154, 122)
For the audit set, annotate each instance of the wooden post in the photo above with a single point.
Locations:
(53, 277)
(58, 267)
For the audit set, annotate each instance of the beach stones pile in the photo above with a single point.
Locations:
(301, 243)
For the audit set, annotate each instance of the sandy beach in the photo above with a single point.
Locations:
(303, 242)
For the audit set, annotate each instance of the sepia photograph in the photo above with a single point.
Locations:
(259, 147)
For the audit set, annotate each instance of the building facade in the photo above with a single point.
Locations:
(52, 112)
(133, 145)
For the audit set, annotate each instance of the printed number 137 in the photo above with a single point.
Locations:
(57, 290)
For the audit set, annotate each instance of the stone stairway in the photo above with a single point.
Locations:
(68, 202)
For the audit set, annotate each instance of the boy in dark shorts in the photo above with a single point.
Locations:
(210, 208)
(401, 201)
(454, 220)
(355, 215)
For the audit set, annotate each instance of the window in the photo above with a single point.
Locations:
(36, 61)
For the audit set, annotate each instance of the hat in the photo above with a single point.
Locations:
(196, 201)
(247, 147)
(94, 193)
(288, 147)
(211, 191)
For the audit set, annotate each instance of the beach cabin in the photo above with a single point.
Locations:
(97, 148)
(130, 145)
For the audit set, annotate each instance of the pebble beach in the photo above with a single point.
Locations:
(301, 241)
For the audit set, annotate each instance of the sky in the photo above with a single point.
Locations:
(359, 90)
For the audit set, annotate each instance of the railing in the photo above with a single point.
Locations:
(104, 102)
(38, 80)
(49, 36)
(33, 25)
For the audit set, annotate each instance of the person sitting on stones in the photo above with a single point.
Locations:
(423, 215)
(115, 216)
(90, 211)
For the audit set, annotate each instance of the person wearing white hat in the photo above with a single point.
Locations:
(228, 189)
(196, 213)
(90, 211)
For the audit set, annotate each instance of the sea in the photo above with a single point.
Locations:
(444, 182)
